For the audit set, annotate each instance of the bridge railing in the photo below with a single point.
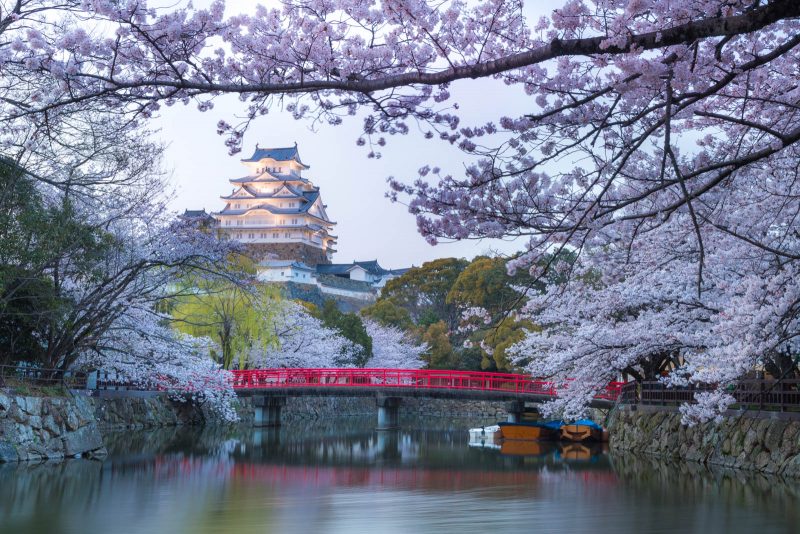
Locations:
(404, 378)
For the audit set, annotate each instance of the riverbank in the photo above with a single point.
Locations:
(36, 429)
(749, 441)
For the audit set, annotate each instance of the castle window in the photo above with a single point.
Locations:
(227, 223)
(251, 235)
(275, 235)
(238, 223)
(287, 235)
(294, 221)
(291, 204)
(237, 206)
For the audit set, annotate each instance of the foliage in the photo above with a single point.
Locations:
(350, 326)
(235, 316)
(303, 341)
(440, 352)
(392, 348)
(387, 313)
(422, 291)
(660, 145)
(141, 348)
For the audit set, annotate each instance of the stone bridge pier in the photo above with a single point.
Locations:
(267, 411)
(388, 412)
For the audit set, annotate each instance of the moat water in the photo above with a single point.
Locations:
(344, 477)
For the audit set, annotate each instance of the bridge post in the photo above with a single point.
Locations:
(515, 409)
(267, 410)
(388, 412)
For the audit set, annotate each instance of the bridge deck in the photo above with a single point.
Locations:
(442, 384)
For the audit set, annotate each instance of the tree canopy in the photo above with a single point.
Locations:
(660, 146)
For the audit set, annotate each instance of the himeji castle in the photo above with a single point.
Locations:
(279, 217)
(276, 212)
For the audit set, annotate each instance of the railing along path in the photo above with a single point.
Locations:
(406, 378)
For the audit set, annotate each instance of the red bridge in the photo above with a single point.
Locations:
(270, 387)
(403, 381)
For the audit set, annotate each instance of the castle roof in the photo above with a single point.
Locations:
(278, 154)
(267, 176)
(293, 193)
(371, 267)
(276, 211)
(306, 200)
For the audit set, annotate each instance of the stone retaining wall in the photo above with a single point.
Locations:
(119, 413)
(740, 442)
(450, 407)
(310, 408)
(36, 429)
(52, 428)
(40, 428)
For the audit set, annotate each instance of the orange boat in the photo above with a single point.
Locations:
(527, 431)
(583, 430)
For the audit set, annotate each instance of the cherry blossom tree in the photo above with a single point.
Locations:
(660, 144)
(393, 348)
(303, 341)
(141, 348)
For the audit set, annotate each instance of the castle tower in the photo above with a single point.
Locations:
(275, 212)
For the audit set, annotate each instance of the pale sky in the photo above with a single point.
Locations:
(369, 226)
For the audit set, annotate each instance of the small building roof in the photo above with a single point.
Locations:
(195, 214)
(278, 154)
(286, 263)
(372, 267)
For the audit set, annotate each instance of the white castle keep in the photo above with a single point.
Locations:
(276, 212)
(279, 217)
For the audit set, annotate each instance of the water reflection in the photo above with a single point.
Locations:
(342, 476)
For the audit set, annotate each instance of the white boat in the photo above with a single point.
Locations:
(485, 433)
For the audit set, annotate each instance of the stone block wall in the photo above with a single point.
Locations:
(36, 428)
(453, 408)
(741, 442)
(121, 413)
(309, 408)
(287, 251)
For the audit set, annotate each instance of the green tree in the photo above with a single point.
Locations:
(237, 318)
(499, 338)
(485, 283)
(440, 355)
(422, 291)
(387, 313)
(39, 242)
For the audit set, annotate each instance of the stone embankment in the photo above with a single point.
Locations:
(307, 408)
(36, 428)
(53, 428)
(767, 445)
(48, 428)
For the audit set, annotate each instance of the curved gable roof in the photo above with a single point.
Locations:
(278, 154)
